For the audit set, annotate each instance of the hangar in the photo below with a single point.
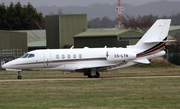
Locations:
(174, 30)
(12, 44)
(60, 29)
(107, 37)
(36, 39)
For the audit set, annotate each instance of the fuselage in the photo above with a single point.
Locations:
(64, 59)
(101, 59)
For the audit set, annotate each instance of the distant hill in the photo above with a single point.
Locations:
(100, 10)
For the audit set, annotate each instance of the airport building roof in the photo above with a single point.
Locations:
(174, 28)
(104, 32)
(35, 37)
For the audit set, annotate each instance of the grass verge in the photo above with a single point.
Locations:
(111, 93)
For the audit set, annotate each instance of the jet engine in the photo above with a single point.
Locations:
(115, 55)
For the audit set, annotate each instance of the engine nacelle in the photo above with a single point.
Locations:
(114, 55)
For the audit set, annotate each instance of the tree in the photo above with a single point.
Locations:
(60, 11)
(18, 17)
(95, 23)
(175, 45)
(3, 13)
(40, 24)
(175, 19)
(140, 23)
(105, 22)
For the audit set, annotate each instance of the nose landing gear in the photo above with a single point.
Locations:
(19, 76)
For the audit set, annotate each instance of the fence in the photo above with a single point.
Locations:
(15, 53)
(8, 55)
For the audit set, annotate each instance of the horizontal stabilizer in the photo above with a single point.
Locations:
(158, 41)
(130, 46)
(142, 61)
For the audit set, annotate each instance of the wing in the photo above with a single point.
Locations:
(98, 67)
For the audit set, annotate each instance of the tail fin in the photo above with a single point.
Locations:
(157, 33)
(154, 39)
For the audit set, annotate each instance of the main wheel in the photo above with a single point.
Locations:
(97, 75)
(19, 77)
(89, 75)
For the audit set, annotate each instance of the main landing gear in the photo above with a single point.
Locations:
(90, 75)
(19, 76)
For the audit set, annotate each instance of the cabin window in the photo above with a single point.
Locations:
(74, 56)
(69, 56)
(80, 55)
(57, 56)
(63, 56)
(31, 56)
(24, 56)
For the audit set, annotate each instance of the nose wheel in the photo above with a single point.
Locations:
(19, 76)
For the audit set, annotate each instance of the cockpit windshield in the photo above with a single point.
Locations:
(24, 56)
(31, 56)
(27, 56)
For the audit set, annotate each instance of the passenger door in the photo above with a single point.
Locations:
(47, 59)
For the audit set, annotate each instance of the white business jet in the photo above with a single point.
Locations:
(91, 61)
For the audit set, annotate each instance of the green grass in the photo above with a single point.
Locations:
(119, 93)
(162, 69)
(111, 93)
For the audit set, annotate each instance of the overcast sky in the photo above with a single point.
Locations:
(63, 3)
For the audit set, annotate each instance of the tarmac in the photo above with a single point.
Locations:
(82, 79)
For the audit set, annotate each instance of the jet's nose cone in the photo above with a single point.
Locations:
(4, 66)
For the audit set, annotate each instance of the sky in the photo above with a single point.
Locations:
(63, 3)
